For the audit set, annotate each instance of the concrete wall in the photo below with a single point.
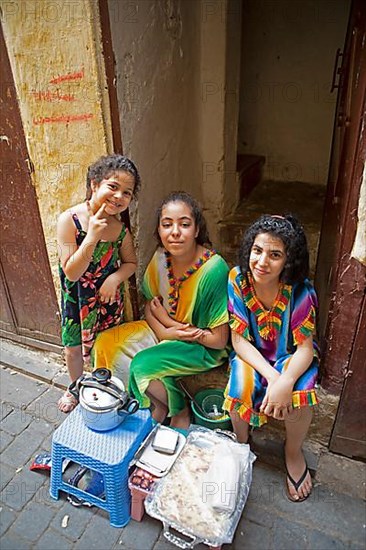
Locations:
(55, 55)
(232, 97)
(220, 72)
(171, 58)
(155, 44)
(286, 109)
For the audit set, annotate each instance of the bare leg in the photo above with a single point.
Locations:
(75, 364)
(181, 420)
(297, 426)
(157, 393)
(159, 399)
(241, 428)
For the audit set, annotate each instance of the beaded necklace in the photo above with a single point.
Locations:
(175, 283)
(269, 321)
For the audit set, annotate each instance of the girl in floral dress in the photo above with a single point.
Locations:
(96, 257)
(274, 365)
(186, 330)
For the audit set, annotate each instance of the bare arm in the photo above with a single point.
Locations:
(300, 361)
(178, 331)
(167, 328)
(278, 399)
(249, 354)
(75, 260)
(160, 313)
(215, 338)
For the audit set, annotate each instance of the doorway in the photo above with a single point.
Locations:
(286, 113)
(324, 199)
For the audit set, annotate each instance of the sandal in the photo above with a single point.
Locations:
(67, 402)
(296, 484)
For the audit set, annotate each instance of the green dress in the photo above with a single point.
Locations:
(198, 298)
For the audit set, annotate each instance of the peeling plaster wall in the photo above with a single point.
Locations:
(286, 108)
(55, 55)
(155, 43)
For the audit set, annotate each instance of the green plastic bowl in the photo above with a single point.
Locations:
(213, 424)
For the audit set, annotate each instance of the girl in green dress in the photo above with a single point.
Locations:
(186, 326)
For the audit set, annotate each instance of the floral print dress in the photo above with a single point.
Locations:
(83, 314)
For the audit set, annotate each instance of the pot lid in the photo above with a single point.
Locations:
(98, 398)
(97, 395)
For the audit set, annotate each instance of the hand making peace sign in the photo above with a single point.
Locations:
(97, 222)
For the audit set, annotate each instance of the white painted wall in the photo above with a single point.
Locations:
(286, 109)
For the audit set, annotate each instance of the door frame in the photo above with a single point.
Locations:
(341, 278)
(16, 259)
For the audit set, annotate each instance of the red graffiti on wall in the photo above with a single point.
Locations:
(67, 77)
(57, 95)
(62, 118)
(52, 96)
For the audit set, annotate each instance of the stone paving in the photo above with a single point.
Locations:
(30, 519)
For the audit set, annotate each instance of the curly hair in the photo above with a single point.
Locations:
(106, 166)
(196, 211)
(289, 230)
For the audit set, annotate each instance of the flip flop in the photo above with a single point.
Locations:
(67, 402)
(296, 485)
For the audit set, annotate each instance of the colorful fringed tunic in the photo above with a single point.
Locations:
(199, 298)
(83, 314)
(276, 333)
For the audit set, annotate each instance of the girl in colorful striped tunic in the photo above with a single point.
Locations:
(186, 327)
(274, 365)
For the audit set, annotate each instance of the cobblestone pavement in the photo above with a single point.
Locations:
(31, 519)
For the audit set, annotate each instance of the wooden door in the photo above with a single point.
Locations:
(29, 311)
(340, 279)
(349, 433)
(349, 110)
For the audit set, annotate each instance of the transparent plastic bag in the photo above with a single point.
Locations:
(197, 498)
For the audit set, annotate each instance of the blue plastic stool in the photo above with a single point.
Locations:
(108, 453)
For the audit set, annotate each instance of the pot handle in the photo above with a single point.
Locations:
(74, 387)
(132, 407)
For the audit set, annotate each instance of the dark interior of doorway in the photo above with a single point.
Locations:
(259, 192)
